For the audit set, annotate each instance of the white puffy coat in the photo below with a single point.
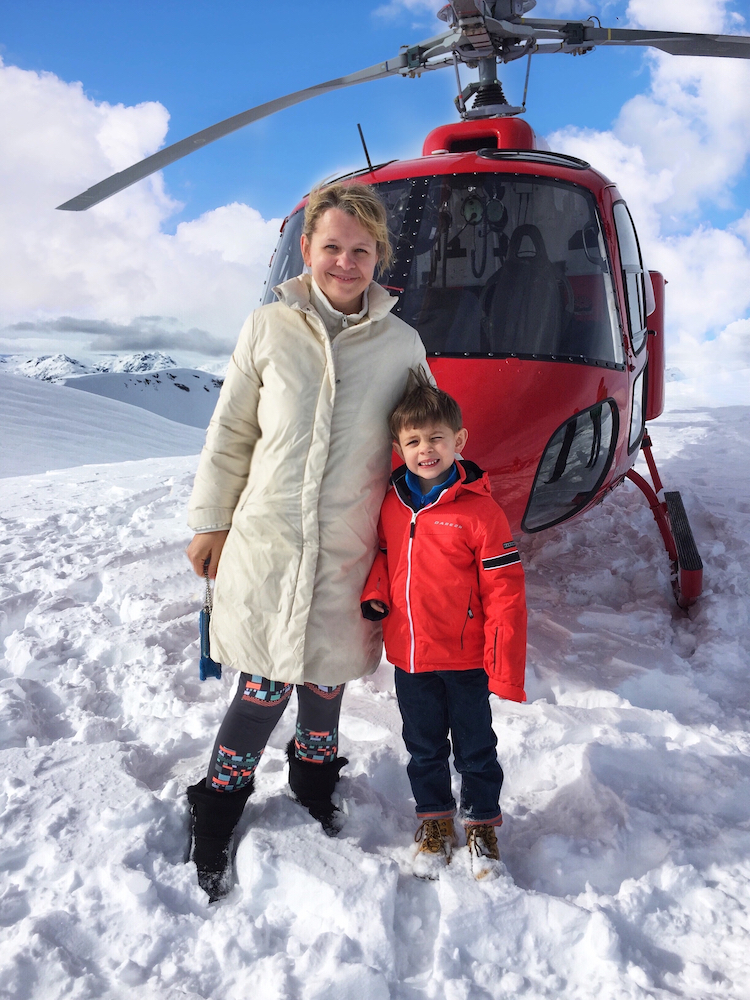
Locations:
(297, 457)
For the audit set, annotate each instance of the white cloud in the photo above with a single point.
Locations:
(709, 16)
(674, 151)
(113, 263)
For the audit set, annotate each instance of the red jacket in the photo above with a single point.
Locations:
(451, 578)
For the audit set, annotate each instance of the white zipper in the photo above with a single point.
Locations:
(408, 590)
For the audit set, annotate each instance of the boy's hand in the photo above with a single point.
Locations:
(378, 606)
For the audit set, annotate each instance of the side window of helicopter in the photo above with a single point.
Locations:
(632, 274)
(287, 261)
(508, 265)
(574, 464)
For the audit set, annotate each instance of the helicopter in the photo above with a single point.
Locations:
(521, 269)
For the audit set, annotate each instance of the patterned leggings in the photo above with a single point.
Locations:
(252, 717)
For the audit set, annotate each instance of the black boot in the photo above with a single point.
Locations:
(214, 815)
(313, 786)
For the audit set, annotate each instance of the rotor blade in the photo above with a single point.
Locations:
(575, 34)
(405, 62)
(676, 43)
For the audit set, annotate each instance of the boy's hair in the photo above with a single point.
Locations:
(423, 404)
(361, 202)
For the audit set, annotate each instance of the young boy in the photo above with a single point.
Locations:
(449, 586)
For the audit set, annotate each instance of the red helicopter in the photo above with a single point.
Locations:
(522, 271)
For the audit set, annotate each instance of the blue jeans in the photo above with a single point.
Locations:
(432, 704)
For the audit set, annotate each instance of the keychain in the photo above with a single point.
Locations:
(207, 666)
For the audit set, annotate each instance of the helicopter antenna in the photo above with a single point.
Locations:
(364, 146)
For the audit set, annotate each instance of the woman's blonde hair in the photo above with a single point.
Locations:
(362, 203)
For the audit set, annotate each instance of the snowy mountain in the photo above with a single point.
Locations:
(149, 362)
(627, 796)
(57, 367)
(182, 394)
(47, 367)
(51, 427)
(151, 381)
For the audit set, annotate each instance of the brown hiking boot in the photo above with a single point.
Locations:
(436, 839)
(484, 853)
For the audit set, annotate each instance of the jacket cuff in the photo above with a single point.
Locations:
(371, 614)
(210, 519)
(511, 692)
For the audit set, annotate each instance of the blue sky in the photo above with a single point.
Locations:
(207, 59)
(88, 87)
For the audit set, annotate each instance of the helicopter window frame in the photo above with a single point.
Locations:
(591, 493)
(633, 288)
(278, 270)
(640, 389)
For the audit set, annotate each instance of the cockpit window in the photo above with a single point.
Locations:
(507, 265)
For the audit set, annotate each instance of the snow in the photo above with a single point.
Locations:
(47, 426)
(56, 367)
(185, 395)
(626, 843)
(149, 362)
(149, 380)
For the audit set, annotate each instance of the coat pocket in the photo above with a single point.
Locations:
(494, 655)
(467, 618)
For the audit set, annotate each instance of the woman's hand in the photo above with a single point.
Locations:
(206, 546)
(379, 607)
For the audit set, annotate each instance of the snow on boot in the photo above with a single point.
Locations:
(481, 840)
(436, 839)
(313, 785)
(214, 815)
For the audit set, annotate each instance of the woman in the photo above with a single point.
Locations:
(285, 509)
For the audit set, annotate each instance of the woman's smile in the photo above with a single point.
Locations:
(342, 256)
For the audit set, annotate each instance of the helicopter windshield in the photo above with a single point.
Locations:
(508, 265)
(493, 265)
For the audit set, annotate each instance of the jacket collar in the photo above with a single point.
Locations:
(471, 479)
(295, 293)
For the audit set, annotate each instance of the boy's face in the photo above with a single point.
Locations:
(429, 451)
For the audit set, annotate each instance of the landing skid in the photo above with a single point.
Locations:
(669, 514)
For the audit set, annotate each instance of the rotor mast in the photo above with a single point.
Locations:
(485, 32)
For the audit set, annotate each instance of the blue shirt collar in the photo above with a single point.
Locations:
(420, 499)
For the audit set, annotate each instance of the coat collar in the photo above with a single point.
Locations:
(470, 478)
(295, 293)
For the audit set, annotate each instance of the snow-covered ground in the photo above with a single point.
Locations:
(627, 800)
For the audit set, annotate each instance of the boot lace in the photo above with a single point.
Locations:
(432, 835)
(482, 841)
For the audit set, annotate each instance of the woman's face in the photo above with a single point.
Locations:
(342, 256)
